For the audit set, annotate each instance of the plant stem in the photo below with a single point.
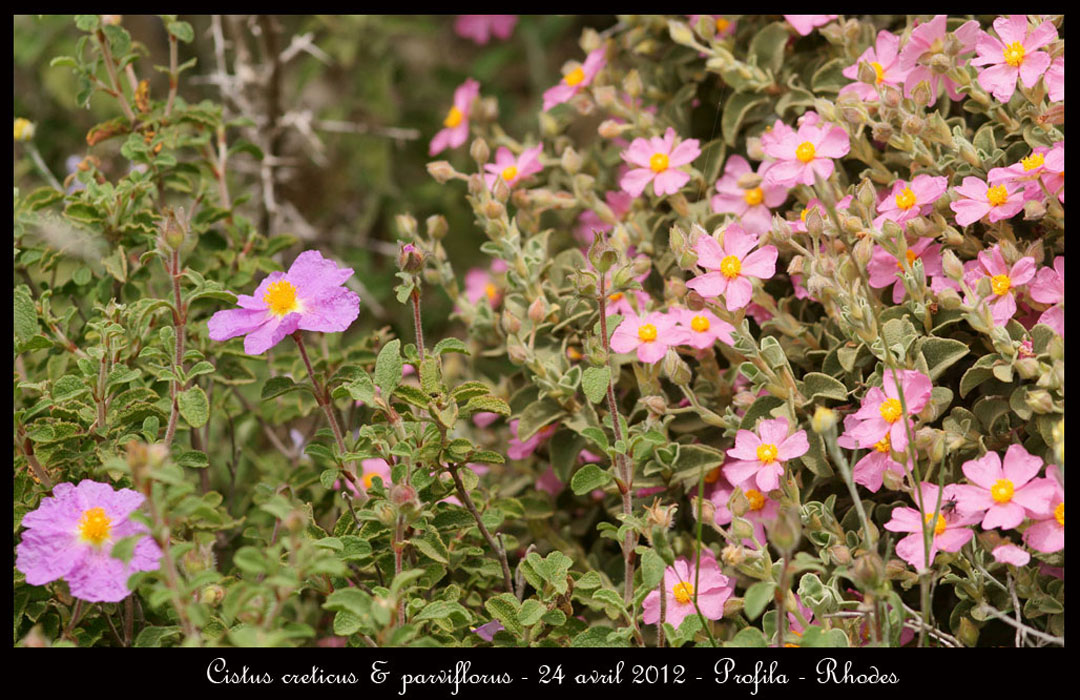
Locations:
(663, 610)
(415, 296)
(110, 68)
(174, 77)
(180, 323)
(467, 500)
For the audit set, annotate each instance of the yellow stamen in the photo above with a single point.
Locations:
(574, 77)
(884, 444)
(906, 199)
(730, 267)
(616, 296)
(712, 476)
(1014, 54)
(722, 25)
(281, 299)
(1059, 514)
(1002, 491)
(767, 453)
(1001, 284)
(453, 118)
(891, 410)
(805, 152)
(911, 257)
(699, 323)
(879, 72)
(647, 333)
(755, 498)
(939, 526)
(658, 162)
(95, 526)
(806, 212)
(1033, 161)
(754, 197)
(369, 479)
(684, 592)
(997, 195)
(509, 172)
(491, 291)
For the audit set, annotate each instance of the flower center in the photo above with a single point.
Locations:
(1033, 161)
(684, 592)
(767, 453)
(712, 476)
(94, 526)
(879, 72)
(755, 498)
(647, 332)
(453, 118)
(806, 212)
(997, 195)
(911, 256)
(722, 25)
(1059, 514)
(891, 410)
(1001, 284)
(1002, 491)
(281, 298)
(491, 290)
(509, 172)
(658, 162)
(754, 197)
(939, 526)
(368, 479)
(730, 267)
(574, 77)
(884, 444)
(906, 198)
(805, 152)
(1014, 54)
(699, 323)
(616, 296)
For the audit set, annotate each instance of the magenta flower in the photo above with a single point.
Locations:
(618, 201)
(487, 630)
(577, 79)
(1005, 493)
(886, 269)
(1048, 532)
(803, 153)
(753, 205)
(518, 449)
(732, 265)
(884, 58)
(1003, 281)
(1027, 168)
(456, 123)
(513, 170)
(369, 469)
(480, 284)
(763, 457)
(870, 470)
(910, 200)
(799, 225)
(881, 411)
(927, 40)
(1054, 79)
(703, 328)
(1049, 288)
(658, 161)
(651, 335)
(309, 297)
(979, 199)
(480, 28)
(71, 536)
(1014, 55)
(484, 418)
(804, 24)
(949, 529)
(679, 580)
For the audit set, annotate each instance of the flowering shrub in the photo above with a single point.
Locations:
(763, 344)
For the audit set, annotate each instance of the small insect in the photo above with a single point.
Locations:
(948, 507)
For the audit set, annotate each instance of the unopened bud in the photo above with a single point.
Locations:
(441, 170)
(605, 96)
(437, 227)
(656, 405)
(749, 180)
(814, 223)
(403, 495)
(850, 224)
(493, 209)
(476, 184)
(480, 151)
(1039, 401)
(913, 125)
(733, 554)
(741, 529)
(537, 310)
(632, 82)
(500, 190)
(890, 96)
(24, 129)
(869, 570)
(510, 323)
(824, 419)
(940, 64)
(610, 129)
(786, 530)
(212, 595)
(840, 554)
(571, 161)
(410, 258)
(676, 368)
(738, 504)
(969, 154)
(881, 132)
(921, 94)
(863, 251)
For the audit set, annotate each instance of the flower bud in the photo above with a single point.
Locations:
(881, 132)
(866, 73)
(24, 129)
(749, 180)
(501, 191)
(738, 504)
(940, 64)
(676, 368)
(480, 151)
(694, 301)
(656, 405)
(549, 126)
(921, 94)
(410, 258)
(441, 170)
(814, 223)
(825, 108)
(824, 420)
(632, 82)
(785, 532)
(385, 513)
(913, 125)
(295, 521)
(172, 230)
(969, 154)
(402, 495)
(212, 595)
(198, 559)
(869, 570)
(890, 96)
(1034, 210)
(538, 310)
(610, 129)
(754, 149)
(477, 186)
(571, 161)
(494, 209)
(510, 323)
(733, 555)
(437, 227)
(1039, 401)
(863, 251)
(840, 554)
(850, 224)
(741, 528)
(605, 96)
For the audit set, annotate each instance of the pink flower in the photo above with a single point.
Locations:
(651, 335)
(1011, 554)
(71, 536)
(978, 199)
(1054, 79)
(753, 205)
(763, 457)
(484, 418)
(479, 28)
(949, 529)
(881, 411)
(679, 580)
(870, 470)
(1048, 532)
(479, 284)
(549, 482)
(1003, 493)
(885, 268)
(619, 202)
(1049, 288)
(927, 40)
(1054, 171)
(802, 154)
(804, 24)
(884, 58)
(1003, 281)
(703, 328)
(917, 199)
(658, 160)
(573, 82)
(732, 265)
(761, 510)
(1026, 169)
(456, 123)
(309, 297)
(369, 469)
(517, 449)
(513, 170)
(1014, 55)
(799, 225)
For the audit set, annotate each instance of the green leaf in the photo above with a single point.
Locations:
(757, 598)
(409, 394)
(595, 382)
(276, 386)
(736, 110)
(362, 389)
(942, 353)
(652, 569)
(388, 367)
(68, 387)
(531, 612)
(351, 600)
(589, 478)
(193, 459)
(182, 31)
(252, 560)
(486, 404)
(818, 385)
(26, 320)
(504, 608)
(695, 460)
(537, 415)
(748, 637)
(156, 636)
(450, 345)
(768, 46)
(194, 406)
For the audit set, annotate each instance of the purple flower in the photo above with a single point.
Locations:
(1048, 532)
(885, 269)
(309, 297)
(805, 153)
(650, 336)
(879, 418)
(487, 630)
(978, 199)
(513, 170)
(1004, 281)
(927, 40)
(71, 536)
(949, 530)
(914, 199)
